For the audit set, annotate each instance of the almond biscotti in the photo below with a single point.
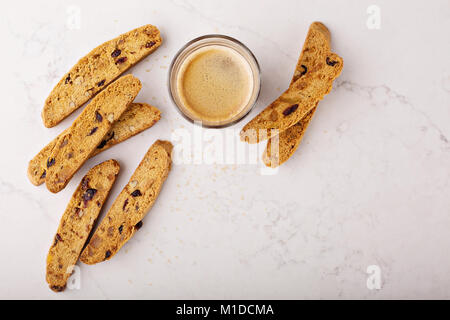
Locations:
(88, 130)
(301, 97)
(96, 70)
(315, 49)
(77, 222)
(137, 118)
(131, 206)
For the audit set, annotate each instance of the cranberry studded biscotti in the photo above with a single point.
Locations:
(98, 69)
(88, 130)
(295, 103)
(131, 206)
(315, 49)
(137, 118)
(77, 222)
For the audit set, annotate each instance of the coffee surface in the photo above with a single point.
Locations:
(215, 83)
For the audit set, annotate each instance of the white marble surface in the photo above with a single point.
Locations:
(369, 185)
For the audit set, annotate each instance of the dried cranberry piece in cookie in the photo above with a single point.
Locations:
(136, 193)
(88, 195)
(290, 109)
(121, 60)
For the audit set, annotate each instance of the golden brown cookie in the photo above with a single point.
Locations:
(137, 118)
(288, 142)
(77, 222)
(301, 97)
(88, 130)
(131, 206)
(315, 49)
(96, 70)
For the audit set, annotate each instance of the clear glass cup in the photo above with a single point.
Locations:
(202, 42)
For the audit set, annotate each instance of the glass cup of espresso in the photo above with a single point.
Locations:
(214, 80)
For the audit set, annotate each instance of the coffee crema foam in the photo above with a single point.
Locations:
(215, 84)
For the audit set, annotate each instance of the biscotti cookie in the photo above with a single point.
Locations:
(88, 130)
(315, 49)
(288, 142)
(77, 222)
(96, 70)
(131, 206)
(137, 118)
(302, 96)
